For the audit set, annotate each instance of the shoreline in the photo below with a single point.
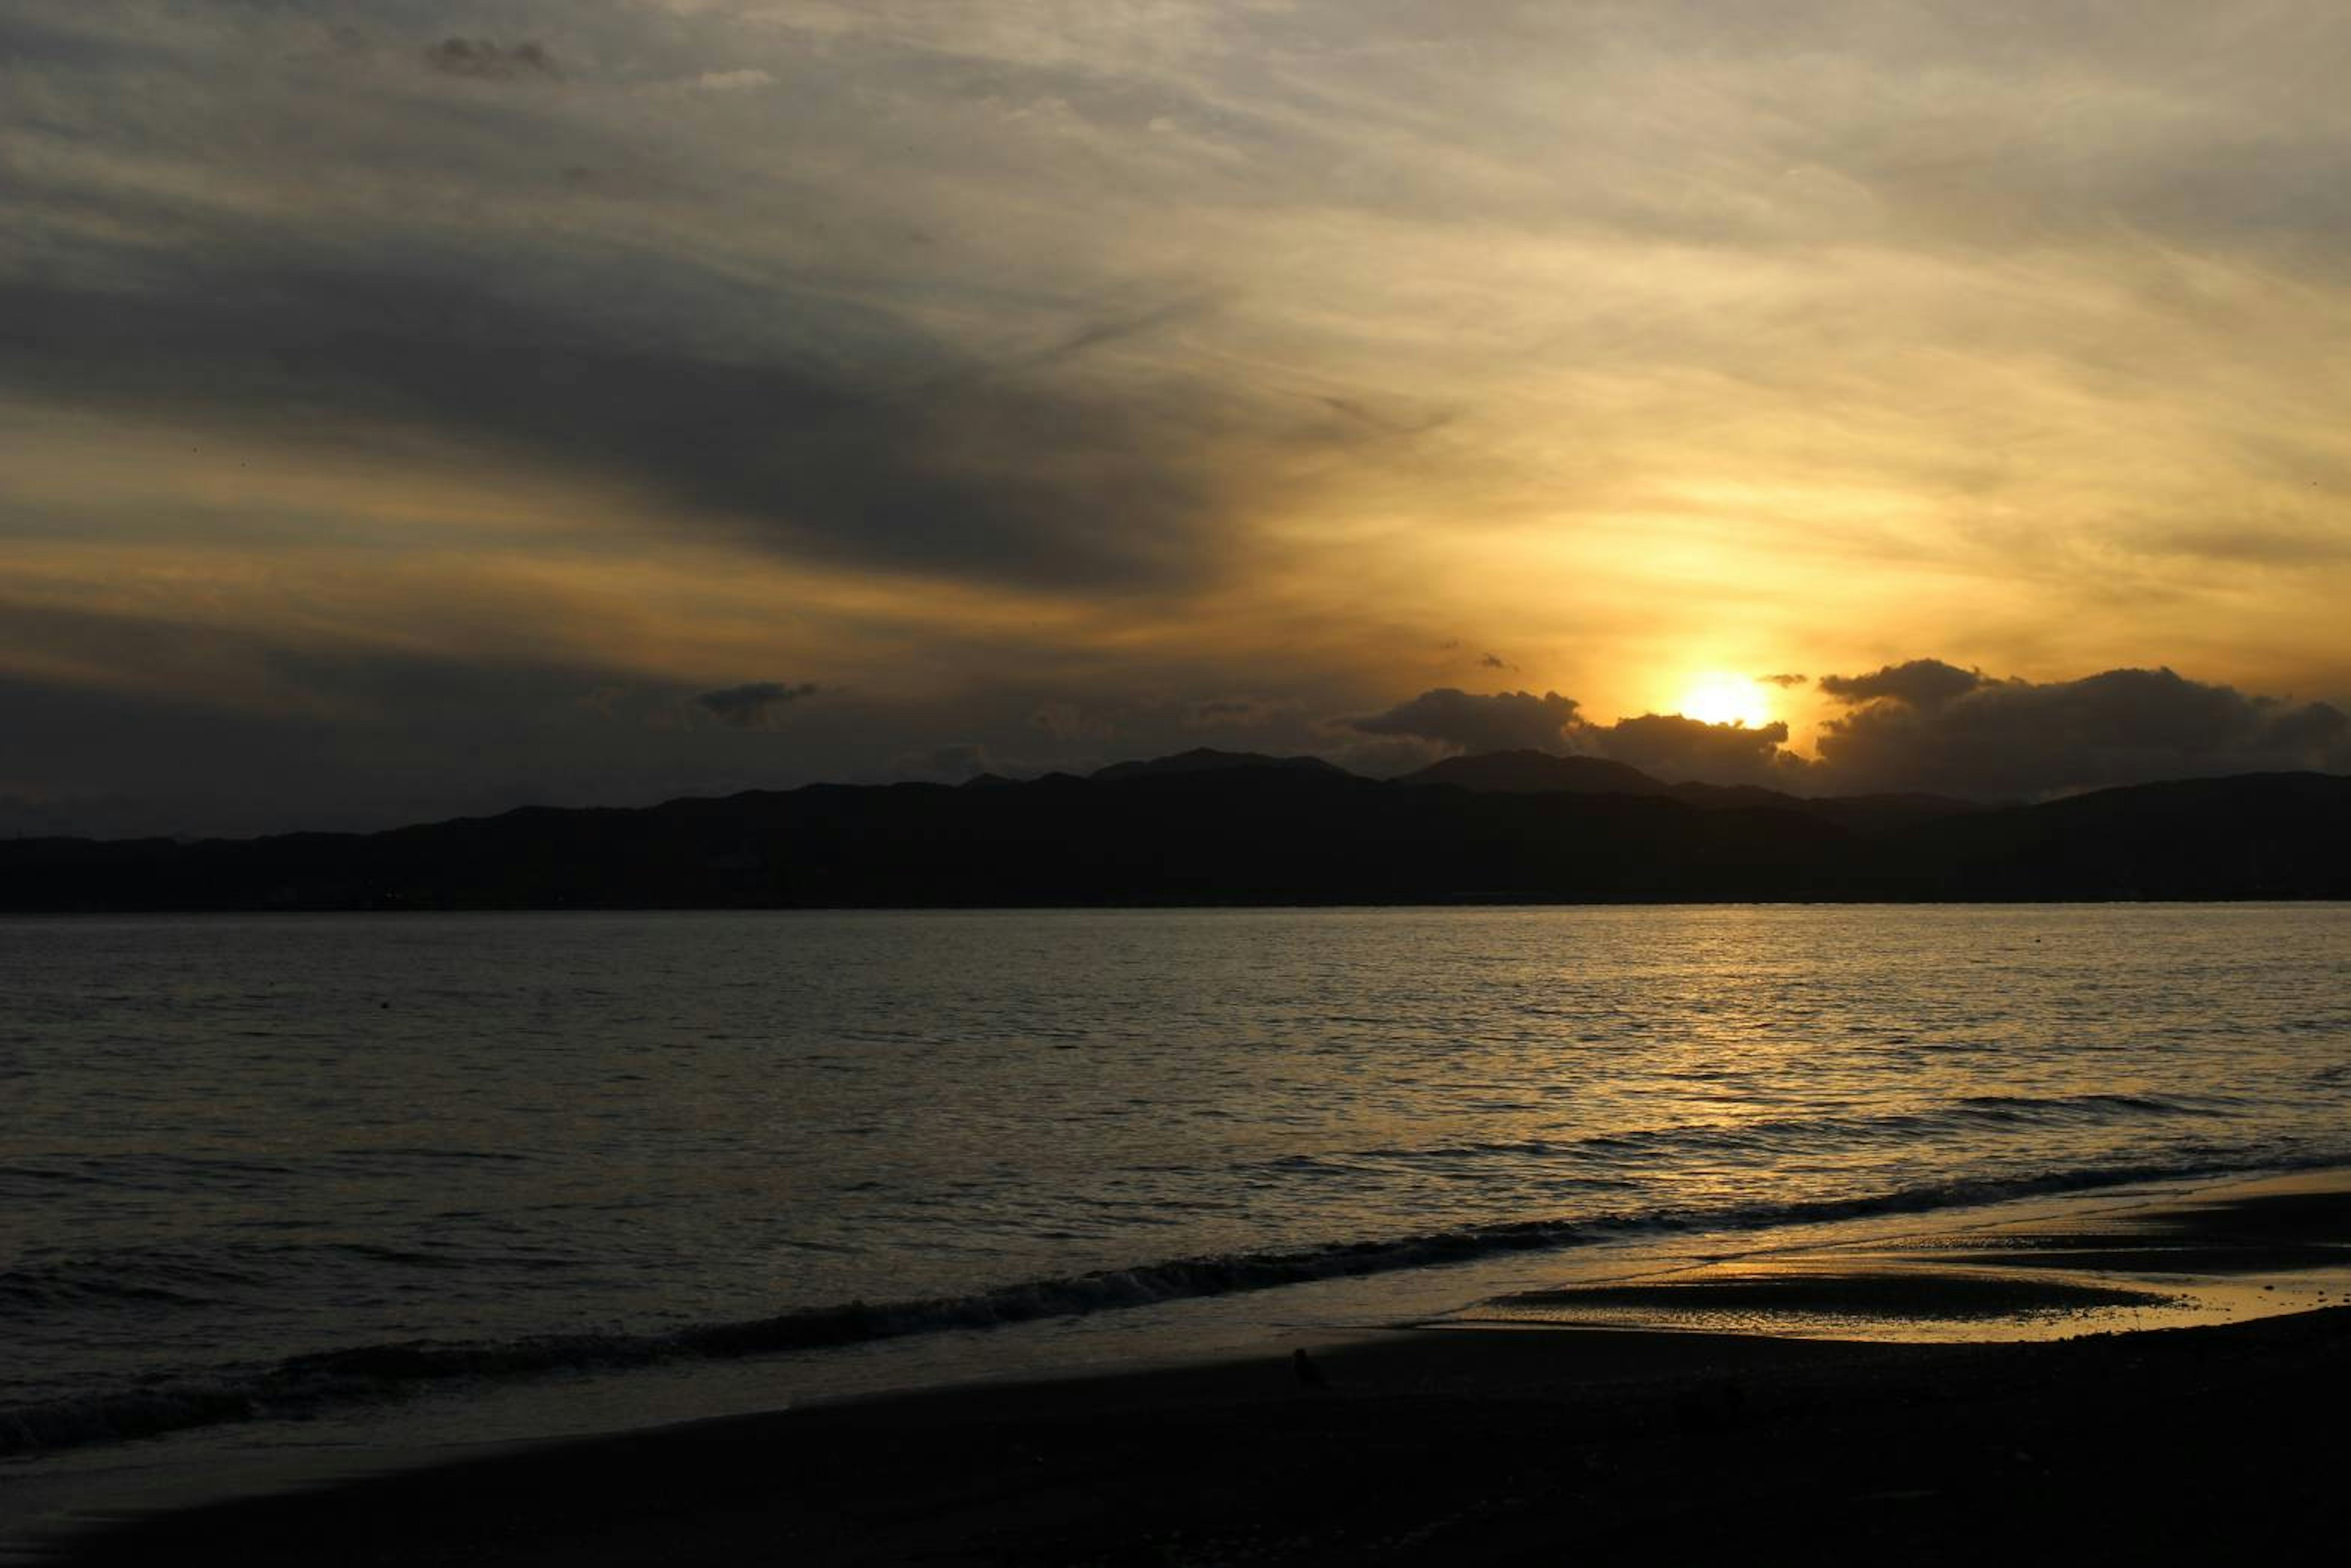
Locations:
(1495, 1447)
(1494, 1438)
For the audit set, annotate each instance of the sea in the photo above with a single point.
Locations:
(284, 1197)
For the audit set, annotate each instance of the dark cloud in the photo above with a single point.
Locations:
(1783, 680)
(1673, 747)
(338, 740)
(1495, 662)
(877, 458)
(1923, 725)
(1237, 713)
(487, 61)
(1504, 721)
(2322, 544)
(1115, 329)
(1667, 744)
(1067, 721)
(1386, 423)
(754, 704)
(2003, 739)
(1921, 682)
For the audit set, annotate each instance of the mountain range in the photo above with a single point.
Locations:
(1208, 827)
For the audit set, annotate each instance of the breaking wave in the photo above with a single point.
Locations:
(306, 1383)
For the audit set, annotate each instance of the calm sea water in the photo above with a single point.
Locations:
(251, 1167)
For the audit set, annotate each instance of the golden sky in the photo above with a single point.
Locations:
(417, 408)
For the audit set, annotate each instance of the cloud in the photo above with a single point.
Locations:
(1079, 352)
(756, 704)
(486, 61)
(733, 81)
(1495, 662)
(1667, 744)
(2019, 739)
(346, 739)
(1503, 721)
(1237, 711)
(1923, 726)
(1673, 747)
(1921, 684)
(842, 457)
(1783, 681)
(1067, 721)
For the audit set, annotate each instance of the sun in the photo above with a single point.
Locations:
(1727, 699)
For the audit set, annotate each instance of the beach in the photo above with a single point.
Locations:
(1927, 1432)
(1197, 782)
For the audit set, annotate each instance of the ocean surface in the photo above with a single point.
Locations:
(269, 1173)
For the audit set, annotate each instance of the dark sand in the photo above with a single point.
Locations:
(2222, 1443)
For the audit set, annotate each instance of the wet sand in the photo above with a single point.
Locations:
(2153, 1259)
(1506, 1444)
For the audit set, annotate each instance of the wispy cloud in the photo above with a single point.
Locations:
(1065, 349)
(754, 704)
(488, 60)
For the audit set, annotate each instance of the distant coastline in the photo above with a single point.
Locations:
(1213, 828)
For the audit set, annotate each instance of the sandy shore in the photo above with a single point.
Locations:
(1504, 1445)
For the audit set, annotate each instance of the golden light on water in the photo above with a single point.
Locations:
(1726, 699)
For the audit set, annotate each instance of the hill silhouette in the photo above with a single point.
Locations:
(1545, 772)
(1537, 773)
(1245, 830)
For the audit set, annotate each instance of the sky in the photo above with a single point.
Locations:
(411, 410)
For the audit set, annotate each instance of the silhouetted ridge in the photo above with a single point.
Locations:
(1542, 772)
(1863, 813)
(2257, 835)
(1242, 833)
(1537, 773)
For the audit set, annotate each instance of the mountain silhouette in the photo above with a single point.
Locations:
(1543, 772)
(1537, 773)
(1227, 827)
(1865, 813)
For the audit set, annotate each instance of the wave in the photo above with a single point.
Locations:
(2093, 1107)
(178, 1173)
(103, 1282)
(1803, 1133)
(306, 1383)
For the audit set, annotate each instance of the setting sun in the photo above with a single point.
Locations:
(1727, 699)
